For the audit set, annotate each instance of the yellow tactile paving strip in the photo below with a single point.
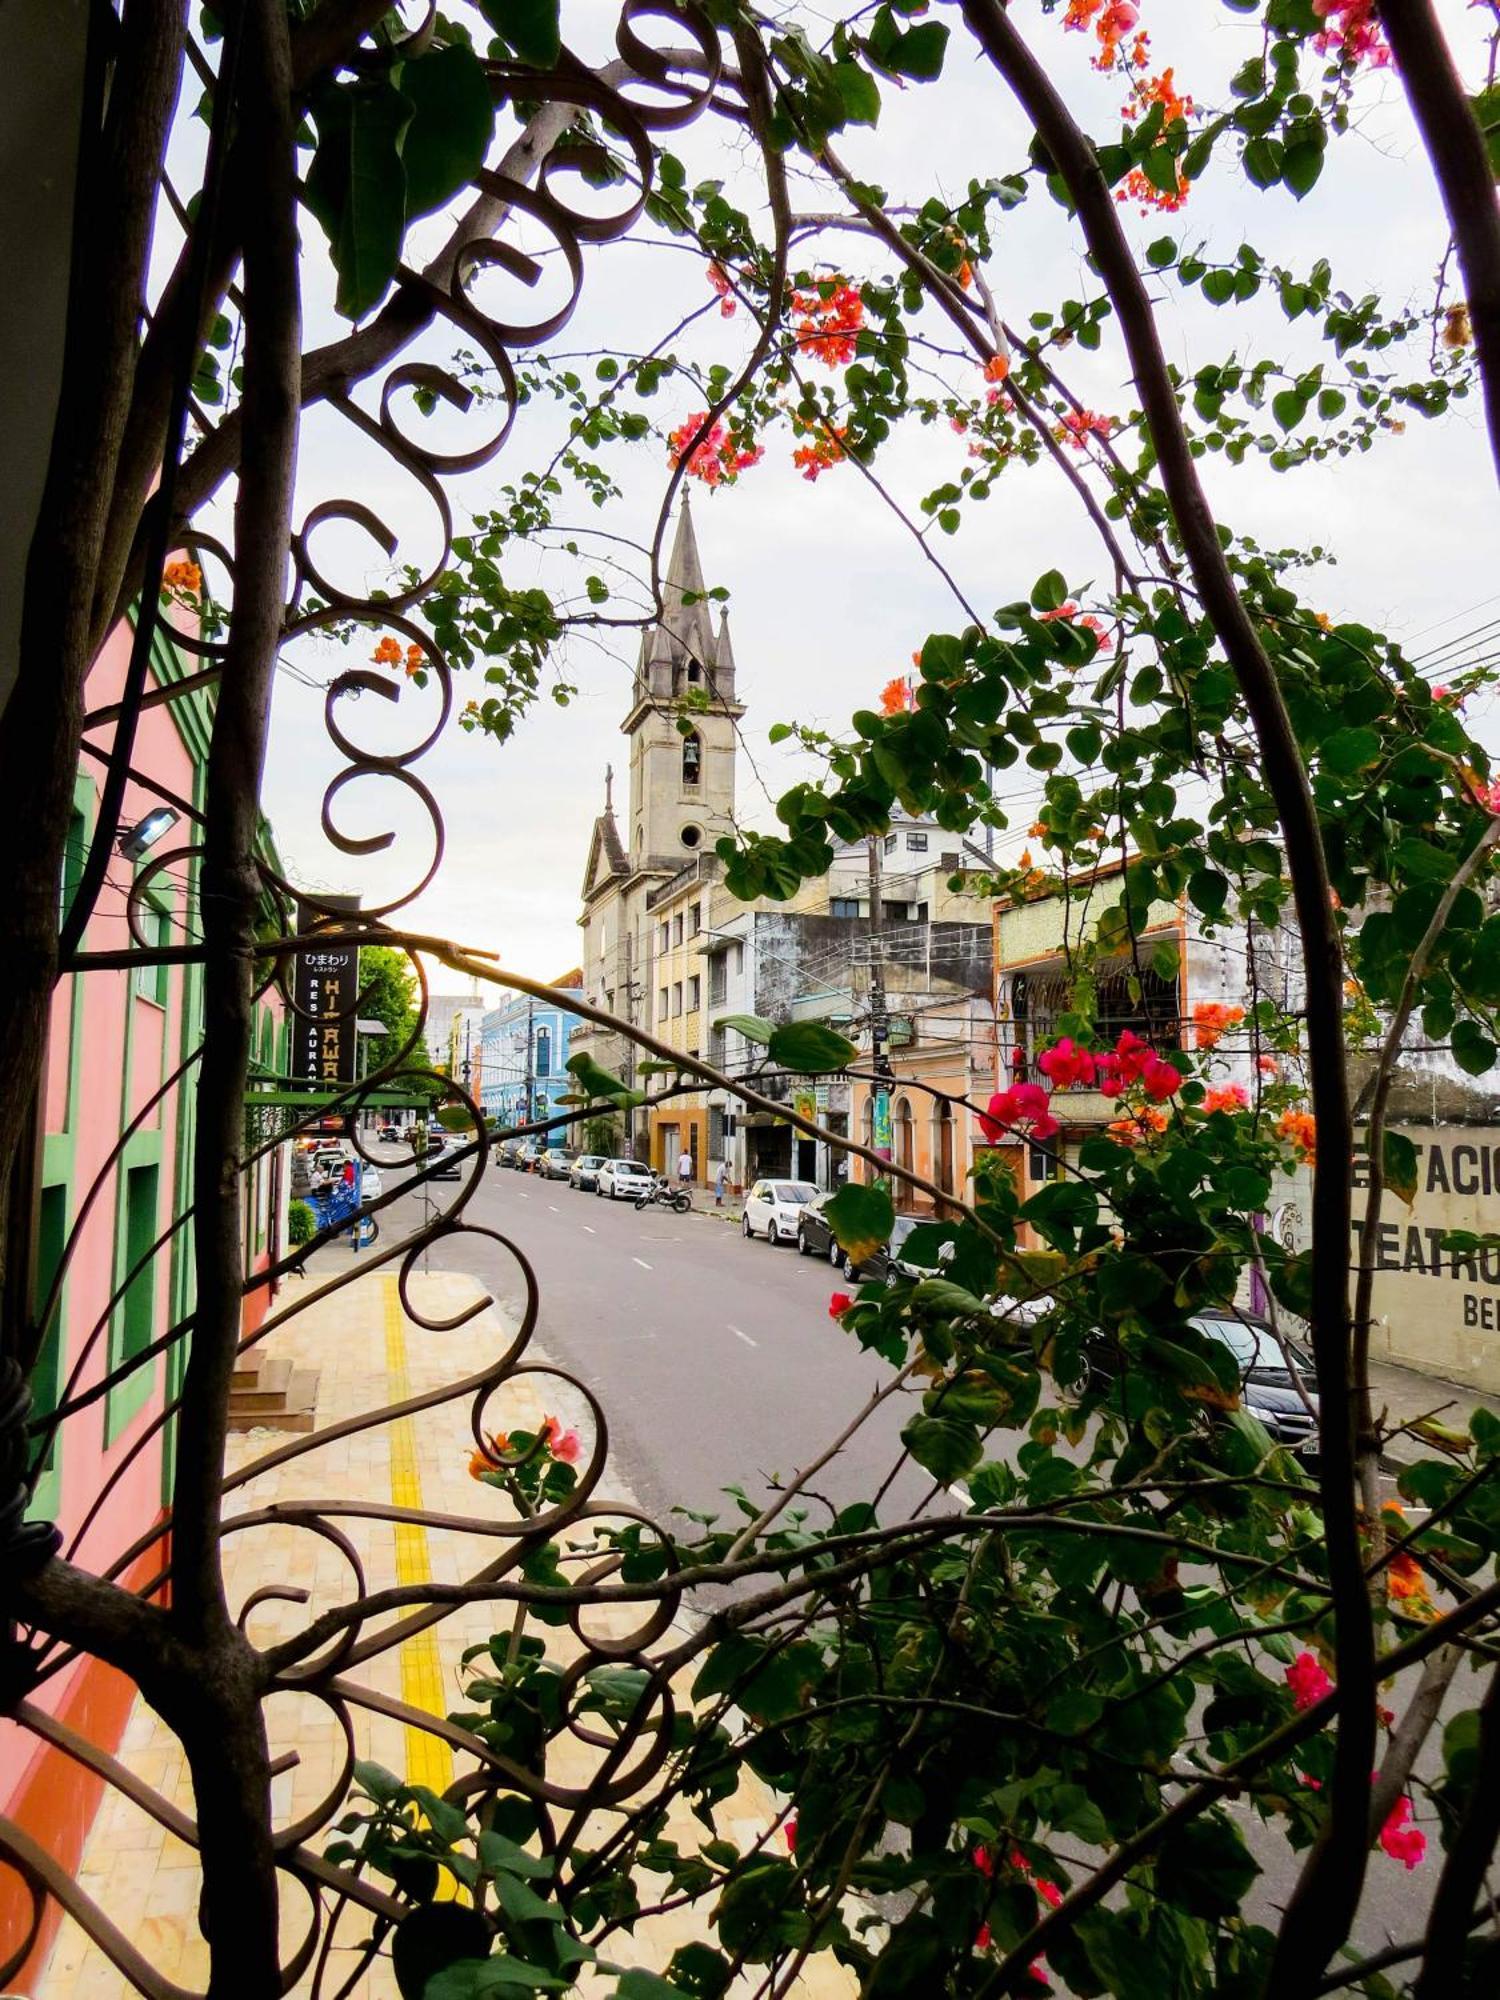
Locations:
(367, 1354)
(429, 1761)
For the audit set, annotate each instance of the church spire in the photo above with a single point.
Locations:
(684, 565)
(724, 657)
(685, 627)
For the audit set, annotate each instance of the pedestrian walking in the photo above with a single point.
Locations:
(685, 1168)
(720, 1180)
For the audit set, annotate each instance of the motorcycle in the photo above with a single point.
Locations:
(662, 1190)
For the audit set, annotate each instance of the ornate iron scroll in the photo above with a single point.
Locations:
(656, 85)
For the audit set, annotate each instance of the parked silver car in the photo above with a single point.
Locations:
(584, 1172)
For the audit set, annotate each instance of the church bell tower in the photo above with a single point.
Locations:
(682, 721)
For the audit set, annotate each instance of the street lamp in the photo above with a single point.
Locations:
(146, 832)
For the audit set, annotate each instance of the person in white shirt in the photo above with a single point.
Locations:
(685, 1168)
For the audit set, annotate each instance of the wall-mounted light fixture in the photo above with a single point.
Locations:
(146, 832)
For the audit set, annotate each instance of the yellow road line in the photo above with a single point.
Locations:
(429, 1761)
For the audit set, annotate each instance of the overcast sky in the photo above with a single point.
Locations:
(829, 592)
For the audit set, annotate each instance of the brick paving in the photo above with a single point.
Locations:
(368, 1353)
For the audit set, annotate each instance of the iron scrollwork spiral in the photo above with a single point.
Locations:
(668, 73)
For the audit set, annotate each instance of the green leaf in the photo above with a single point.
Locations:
(1420, 860)
(1473, 1051)
(453, 121)
(1486, 110)
(1301, 166)
(858, 92)
(1051, 591)
(1289, 408)
(639, 1985)
(919, 52)
(943, 1446)
(861, 1216)
(436, 1942)
(1161, 253)
(1205, 1867)
(1400, 1159)
(356, 187)
(1073, 1711)
(600, 1082)
(493, 1979)
(1264, 160)
(700, 1971)
(810, 1048)
(1349, 750)
(530, 27)
(1209, 891)
(751, 1026)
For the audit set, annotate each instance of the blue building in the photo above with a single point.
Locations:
(524, 1056)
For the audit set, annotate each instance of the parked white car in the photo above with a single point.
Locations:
(370, 1186)
(583, 1175)
(623, 1180)
(772, 1209)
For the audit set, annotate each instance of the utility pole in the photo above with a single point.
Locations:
(880, 1061)
(879, 1020)
(628, 1120)
(530, 1059)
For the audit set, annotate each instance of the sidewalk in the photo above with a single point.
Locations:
(369, 1354)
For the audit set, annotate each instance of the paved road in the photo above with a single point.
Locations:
(714, 1358)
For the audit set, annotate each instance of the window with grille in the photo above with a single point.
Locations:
(1122, 998)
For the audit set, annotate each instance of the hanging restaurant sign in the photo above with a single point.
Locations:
(325, 988)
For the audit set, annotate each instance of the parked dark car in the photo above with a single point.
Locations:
(506, 1152)
(1268, 1390)
(814, 1237)
(554, 1163)
(530, 1151)
(879, 1264)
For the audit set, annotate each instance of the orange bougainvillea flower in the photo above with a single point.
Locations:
(416, 659)
(718, 277)
(897, 696)
(184, 576)
(1226, 1097)
(1079, 425)
(828, 325)
(1299, 1130)
(1211, 1019)
(1148, 1122)
(388, 652)
(482, 1465)
(826, 449)
(997, 368)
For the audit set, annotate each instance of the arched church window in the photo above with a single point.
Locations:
(692, 758)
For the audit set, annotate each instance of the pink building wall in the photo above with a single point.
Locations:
(115, 1036)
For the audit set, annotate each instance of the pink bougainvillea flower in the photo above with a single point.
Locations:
(1400, 1840)
(1160, 1079)
(1066, 1064)
(562, 1444)
(839, 1304)
(1308, 1680)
